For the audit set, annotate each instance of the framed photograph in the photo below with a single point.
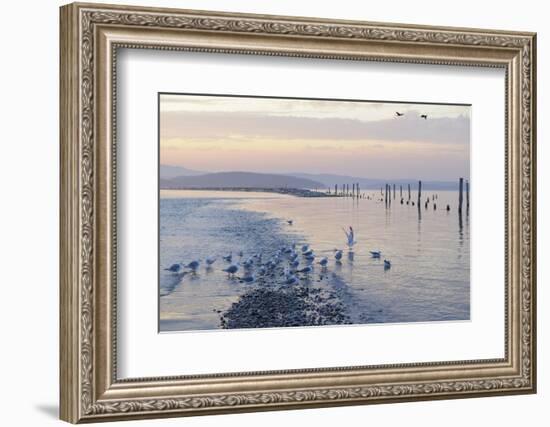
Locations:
(266, 212)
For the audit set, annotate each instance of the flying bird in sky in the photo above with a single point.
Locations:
(398, 114)
(424, 116)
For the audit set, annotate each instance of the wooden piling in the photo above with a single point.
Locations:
(394, 191)
(335, 189)
(419, 191)
(401, 192)
(460, 185)
(467, 196)
(409, 191)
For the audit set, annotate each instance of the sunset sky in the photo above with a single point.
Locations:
(363, 139)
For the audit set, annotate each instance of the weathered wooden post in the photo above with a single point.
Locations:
(401, 192)
(386, 195)
(358, 190)
(335, 189)
(393, 191)
(460, 185)
(467, 197)
(419, 191)
(409, 191)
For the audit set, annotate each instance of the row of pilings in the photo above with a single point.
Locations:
(345, 190)
(389, 192)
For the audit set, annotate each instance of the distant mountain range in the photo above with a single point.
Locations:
(239, 180)
(180, 177)
(169, 172)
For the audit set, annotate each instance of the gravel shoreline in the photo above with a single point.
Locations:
(296, 305)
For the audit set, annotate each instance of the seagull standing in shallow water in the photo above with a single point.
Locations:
(193, 265)
(307, 253)
(174, 268)
(338, 254)
(323, 262)
(248, 279)
(231, 270)
(310, 258)
(387, 264)
(292, 280)
(376, 254)
(307, 269)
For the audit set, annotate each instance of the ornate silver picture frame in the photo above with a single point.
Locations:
(91, 37)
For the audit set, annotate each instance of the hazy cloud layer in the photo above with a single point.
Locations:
(453, 130)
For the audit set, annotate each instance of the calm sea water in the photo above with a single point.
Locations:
(429, 279)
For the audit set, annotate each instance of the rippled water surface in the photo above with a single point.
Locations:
(429, 279)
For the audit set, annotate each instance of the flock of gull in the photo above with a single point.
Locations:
(296, 262)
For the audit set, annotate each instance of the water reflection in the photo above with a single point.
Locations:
(428, 279)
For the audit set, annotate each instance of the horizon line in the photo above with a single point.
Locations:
(294, 174)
